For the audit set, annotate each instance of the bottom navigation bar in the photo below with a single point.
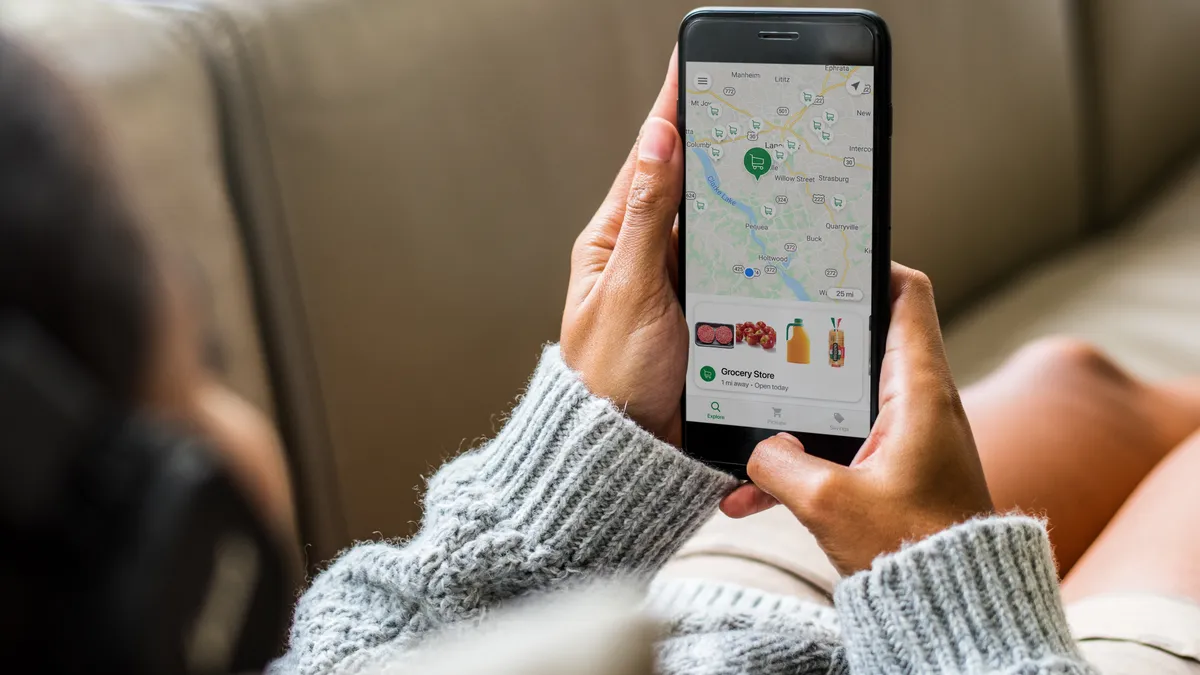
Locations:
(768, 415)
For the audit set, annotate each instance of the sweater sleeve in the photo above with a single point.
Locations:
(980, 598)
(569, 488)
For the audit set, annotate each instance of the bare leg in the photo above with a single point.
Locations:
(1064, 433)
(1152, 544)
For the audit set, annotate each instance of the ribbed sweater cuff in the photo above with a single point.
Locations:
(976, 598)
(584, 480)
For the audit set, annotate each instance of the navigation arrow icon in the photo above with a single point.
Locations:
(854, 85)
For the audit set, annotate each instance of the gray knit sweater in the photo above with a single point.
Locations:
(571, 489)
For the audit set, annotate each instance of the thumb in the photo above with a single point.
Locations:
(914, 333)
(805, 484)
(653, 200)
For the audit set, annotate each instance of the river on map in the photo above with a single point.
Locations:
(714, 183)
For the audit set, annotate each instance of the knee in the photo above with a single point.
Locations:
(1061, 357)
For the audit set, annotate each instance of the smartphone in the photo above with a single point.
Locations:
(784, 228)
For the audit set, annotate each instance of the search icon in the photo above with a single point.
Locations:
(715, 406)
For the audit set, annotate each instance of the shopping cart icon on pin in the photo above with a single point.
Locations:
(757, 162)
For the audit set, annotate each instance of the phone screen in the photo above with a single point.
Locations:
(778, 250)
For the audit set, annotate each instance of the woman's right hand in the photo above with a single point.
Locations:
(918, 472)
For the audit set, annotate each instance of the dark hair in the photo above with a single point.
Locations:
(71, 256)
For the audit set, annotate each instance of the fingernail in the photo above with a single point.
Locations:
(658, 142)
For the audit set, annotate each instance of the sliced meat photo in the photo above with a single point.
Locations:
(719, 335)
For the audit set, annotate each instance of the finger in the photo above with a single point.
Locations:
(653, 200)
(612, 210)
(747, 500)
(916, 373)
(805, 484)
(914, 341)
(914, 327)
(665, 106)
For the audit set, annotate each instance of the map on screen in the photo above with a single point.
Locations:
(777, 244)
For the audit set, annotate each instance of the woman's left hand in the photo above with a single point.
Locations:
(623, 328)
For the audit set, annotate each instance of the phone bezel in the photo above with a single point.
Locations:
(735, 39)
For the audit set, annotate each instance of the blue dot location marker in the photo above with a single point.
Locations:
(749, 272)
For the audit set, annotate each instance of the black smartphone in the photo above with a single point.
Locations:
(784, 228)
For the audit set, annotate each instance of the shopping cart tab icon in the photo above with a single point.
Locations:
(778, 411)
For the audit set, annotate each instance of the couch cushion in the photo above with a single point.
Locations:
(420, 167)
(986, 147)
(1136, 293)
(1147, 62)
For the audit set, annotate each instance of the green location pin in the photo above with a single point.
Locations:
(758, 162)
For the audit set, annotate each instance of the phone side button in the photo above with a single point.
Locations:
(890, 118)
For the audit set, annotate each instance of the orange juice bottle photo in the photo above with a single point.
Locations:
(798, 348)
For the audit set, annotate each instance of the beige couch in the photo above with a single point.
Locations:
(383, 193)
